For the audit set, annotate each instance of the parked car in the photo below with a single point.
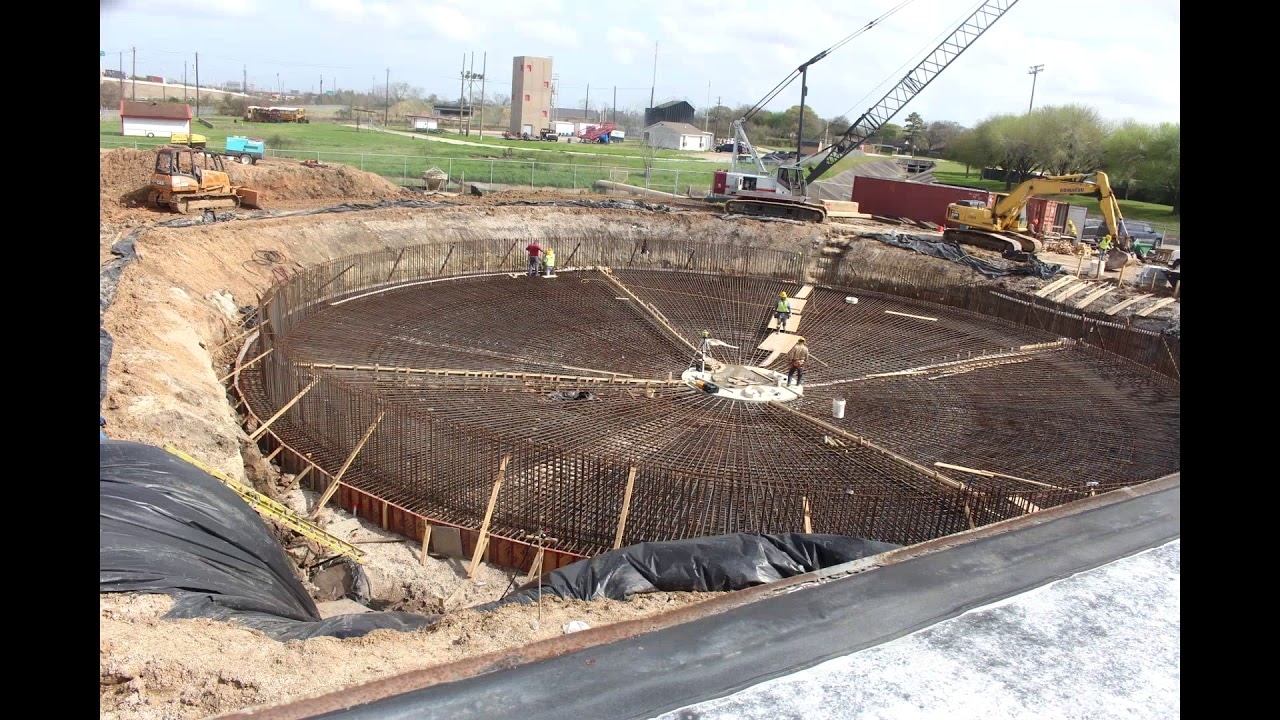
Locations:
(728, 147)
(1139, 230)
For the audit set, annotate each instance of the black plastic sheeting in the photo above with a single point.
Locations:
(108, 281)
(1018, 263)
(168, 527)
(710, 564)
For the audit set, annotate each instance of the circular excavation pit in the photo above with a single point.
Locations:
(566, 412)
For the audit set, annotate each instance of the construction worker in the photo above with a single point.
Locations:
(1103, 246)
(1071, 229)
(535, 252)
(549, 261)
(795, 361)
(783, 310)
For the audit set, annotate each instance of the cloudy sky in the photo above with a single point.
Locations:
(1121, 58)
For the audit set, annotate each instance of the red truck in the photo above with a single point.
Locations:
(155, 79)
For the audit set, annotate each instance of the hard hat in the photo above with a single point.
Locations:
(782, 294)
(706, 333)
(800, 339)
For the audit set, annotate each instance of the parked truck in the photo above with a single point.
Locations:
(155, 79)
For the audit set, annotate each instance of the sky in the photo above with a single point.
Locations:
(1121, 58)
(1105, 643)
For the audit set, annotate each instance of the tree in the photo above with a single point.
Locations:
(939, 134)
(108, 94)
(1148, 157)
(791, 122)
(839, 125)
(1072, 138)
(888, 133)
(914, 131)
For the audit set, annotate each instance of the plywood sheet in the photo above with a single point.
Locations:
(803, 292)
(793, 323)
(778, 342)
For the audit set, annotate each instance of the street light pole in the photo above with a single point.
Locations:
(1033, 72)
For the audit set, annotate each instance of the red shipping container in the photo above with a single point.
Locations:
(923, 202)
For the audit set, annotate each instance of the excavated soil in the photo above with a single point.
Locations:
(175, 310)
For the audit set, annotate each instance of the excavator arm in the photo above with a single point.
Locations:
(1007, 211)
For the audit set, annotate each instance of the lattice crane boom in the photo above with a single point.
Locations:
(911, 84)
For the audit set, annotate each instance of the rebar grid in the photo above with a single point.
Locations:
(1036, 426)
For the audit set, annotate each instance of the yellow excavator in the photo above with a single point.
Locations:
(189, 178)
(1000, 228)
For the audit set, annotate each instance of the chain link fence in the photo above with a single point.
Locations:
(411, 170)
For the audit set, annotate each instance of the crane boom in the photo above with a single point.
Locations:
(911, 84)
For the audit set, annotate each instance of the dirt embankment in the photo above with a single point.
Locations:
(281, 183)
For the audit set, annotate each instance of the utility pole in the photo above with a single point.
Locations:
(121, 59)
(484, 66)
(184, 81)
(1033, 72)
(718, 103)
(706, 117)
(244, 79)
(654, 86)
(462, 91)
(321, 86)
(133, 76)
(386, 105)
(197, 84)
(471, 87)
(586, 106)
(615, 104)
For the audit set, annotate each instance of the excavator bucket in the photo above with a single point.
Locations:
(248, 197)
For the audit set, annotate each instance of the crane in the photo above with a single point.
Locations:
(783, 193)
(1000, 227)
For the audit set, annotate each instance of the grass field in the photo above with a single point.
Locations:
(952, 173)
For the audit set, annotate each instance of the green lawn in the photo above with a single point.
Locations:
(952, 173)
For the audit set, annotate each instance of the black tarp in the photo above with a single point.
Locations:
(710, 564)
(166, 526)
(1012, 264)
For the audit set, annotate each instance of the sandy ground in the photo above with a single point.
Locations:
(176, 308)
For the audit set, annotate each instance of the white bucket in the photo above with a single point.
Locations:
(837, 407)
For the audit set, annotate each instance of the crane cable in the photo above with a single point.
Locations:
(797, 72)
(937, 39)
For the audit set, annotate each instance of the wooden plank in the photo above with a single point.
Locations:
(778, 342)
(483, 541)
(626, 508)
(1072, 290)
(426, 543)
(337, 479)
(1044, 291)
(1120, 306)
(803, 293)
(797, 305)
(917, 317)
(773, 357)
(263, 428)
(793, 323)
(227, 377)
(808, 518)
(1158, 304)
(1088, 299)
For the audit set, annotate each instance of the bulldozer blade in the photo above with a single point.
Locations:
(248, 198)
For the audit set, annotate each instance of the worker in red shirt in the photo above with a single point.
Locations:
(535, 257)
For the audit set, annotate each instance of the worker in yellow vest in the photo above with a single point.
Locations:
(549, 261)
(783, 311)
(1103, 246)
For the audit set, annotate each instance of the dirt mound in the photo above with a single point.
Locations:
(290, 180)
(125, 174)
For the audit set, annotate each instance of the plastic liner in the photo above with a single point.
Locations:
(108, 281)
(166, 526)
(711, 564)
(1019, 263)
